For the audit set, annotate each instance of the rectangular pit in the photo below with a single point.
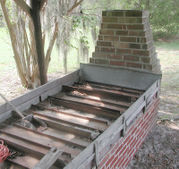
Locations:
(97, 116)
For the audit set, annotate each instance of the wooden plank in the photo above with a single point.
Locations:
(65, 127)
(110, 87)
(25, 161)
(38, 139)
(70, 120)
(91, 103)
(71, 112)
(49, 159)
(122, 105)
(28, 147)
(110, 115)
(58, 135)
(109, 94)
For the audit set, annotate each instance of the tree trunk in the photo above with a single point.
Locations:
(35, 13)
(65, 61)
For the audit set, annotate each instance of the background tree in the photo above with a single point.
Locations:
(28, 44)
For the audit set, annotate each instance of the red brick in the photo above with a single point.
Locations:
(111, 38)
(114, 160)
(126, 151)
(132, 20)
(134, 142)
(133, 13)
(134, 46)
(117, 57)
(128, 138)
(123, 51)
(122, 32)
(134, 65)
(109, 160)
(131, 58)
(97, 49)
(147, 67)
(119, 148)
(131, 152)
(121, 45)
(107, 32)
(136, 27)
(108, 50)
(142, 40)
(125, 161)
(119, 162)
(109, 19)
(144, 46)
(101, 43)
(128, 39)
(100, 37)
(111, 26)
(104, 13)
(141, 52)
(101, 61)
(136, 33)
(117, 63)
(104, 160)
(145, 59)
(117, 13)
(92, 60)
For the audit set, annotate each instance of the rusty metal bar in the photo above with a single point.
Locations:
(112, 87)
(59, 138)
(72, 113)
(122, 105)
(76, 131)
(92, 103)
(111, 94)
(28, 147)
(72, 121)
(37, 139)
(25, 161)
(110, 115)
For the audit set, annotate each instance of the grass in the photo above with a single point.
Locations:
(167, 53)
(6, 54)
(56, 64)
(172, 45)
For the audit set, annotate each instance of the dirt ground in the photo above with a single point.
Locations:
(161, 148)
(10, 85)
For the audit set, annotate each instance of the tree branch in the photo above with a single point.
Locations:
(24, 6)
(51, 44)
(76, 3)
(42, 4)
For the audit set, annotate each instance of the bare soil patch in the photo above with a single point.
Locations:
(10, 85)
(160, 150)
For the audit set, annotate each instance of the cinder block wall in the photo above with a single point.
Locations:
(125, 40)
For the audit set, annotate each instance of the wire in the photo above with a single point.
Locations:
(4, 151)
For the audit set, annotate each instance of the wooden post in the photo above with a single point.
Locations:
(35, 13)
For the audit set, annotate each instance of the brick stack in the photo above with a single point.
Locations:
(126, 40)
(125, 148)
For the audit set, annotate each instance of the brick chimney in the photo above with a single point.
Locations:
(126, 40)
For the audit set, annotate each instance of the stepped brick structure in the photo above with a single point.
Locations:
(126, 40)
